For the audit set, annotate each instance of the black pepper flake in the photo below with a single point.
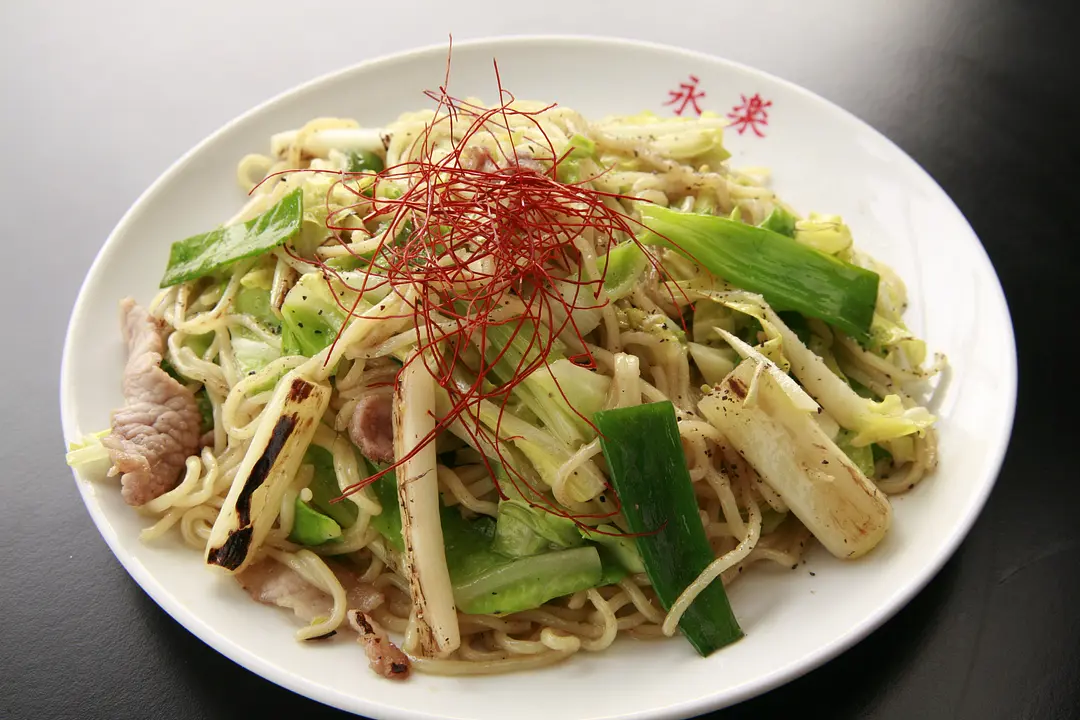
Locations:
(813, 574)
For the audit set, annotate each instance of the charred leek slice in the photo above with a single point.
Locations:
(434, 610)
(276, 451)
(771, 423)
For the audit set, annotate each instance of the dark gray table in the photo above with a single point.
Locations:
(99, 98)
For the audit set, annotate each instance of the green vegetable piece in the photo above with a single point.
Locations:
(203, 254)
(880, 453)
(171, 371)
(621, 548)
(568, 169)
(486, 581)
(624, 264)
(255, 301)
(611, 568)
(789, 275)
(388, 522)
(202, 400)
(648, 470)
(770, 520)
(581, 147)
(521, 530)
(311, 527)
(324, 488)
(713, 363)
(364, 161)
(798, 325)
(514, 533)
(526, 583)
(780, 221)
(310, 317)
(862, 457)
(206, 411)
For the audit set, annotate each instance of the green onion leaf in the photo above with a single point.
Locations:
(200, 255)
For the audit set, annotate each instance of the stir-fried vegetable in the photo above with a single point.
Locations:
(486, 581)
(325, 490)
(622, 267)
(870, 420)
(780, 221)
(522, 530)
(525, 278)
(772, 425)
(310, 318)
(648, 470)
(790, 275)
(364, 161)
(270, 464)
(203, 254)
(388, 522)
(435, 617)
(311, 527)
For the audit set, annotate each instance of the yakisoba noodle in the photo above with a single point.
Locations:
(653, 343)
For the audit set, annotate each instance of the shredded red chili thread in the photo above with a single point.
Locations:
(475, 232)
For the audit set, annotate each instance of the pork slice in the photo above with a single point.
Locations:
(372, 426)
(268, 581)
(157, 429)
(384, 657)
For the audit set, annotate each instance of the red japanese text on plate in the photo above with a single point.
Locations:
(686, 95)
(753, 114)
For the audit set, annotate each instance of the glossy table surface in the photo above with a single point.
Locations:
(98, 99)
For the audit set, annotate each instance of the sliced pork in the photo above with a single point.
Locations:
(270, 582)
(157, 429)
(384, 657)
(372, 426)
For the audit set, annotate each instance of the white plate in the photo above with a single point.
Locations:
(823, 159)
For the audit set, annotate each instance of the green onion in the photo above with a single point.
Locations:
(364, 161)
(311, 527)
(388, 522)
(789, 275)
(203, 254)
(780, 221)
(325, 489)
(648, 470)
(624, 264)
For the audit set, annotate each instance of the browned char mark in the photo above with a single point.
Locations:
(230, 555)
(737, 387)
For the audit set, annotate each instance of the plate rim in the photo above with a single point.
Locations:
(759, 685)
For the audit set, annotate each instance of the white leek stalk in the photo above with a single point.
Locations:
(778, 436)
(277, 448)
(434, 618)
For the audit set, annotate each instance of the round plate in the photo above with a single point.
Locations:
(822, 158)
